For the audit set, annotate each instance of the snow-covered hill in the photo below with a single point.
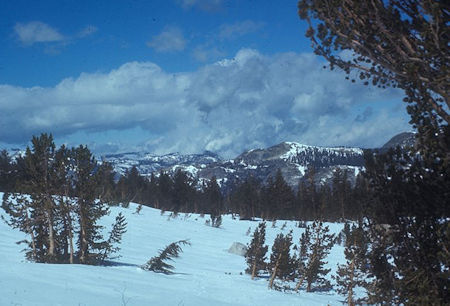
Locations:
(147, 163)
(206, 274)
(293, 159)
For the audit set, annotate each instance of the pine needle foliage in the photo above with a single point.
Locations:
(352, 274)
(282, 264)
(159, 263)
(256, 251)
(315, 245)
(115, 236)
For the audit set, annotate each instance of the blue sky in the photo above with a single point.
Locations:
(178, 75)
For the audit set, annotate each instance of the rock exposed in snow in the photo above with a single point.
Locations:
(238, 249)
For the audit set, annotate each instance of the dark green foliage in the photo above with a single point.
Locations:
(402, 44)
(115, 237)
(159, 263)
(89, 209)
(395, 43)
(7, 175)
(315, 245)
(409, 223)
(282, 264)
(256, 251)
(278, 197)
(183, 192)
(19, 208)
(245, 200)
(213, 201)
(62, 188)
(353, 273)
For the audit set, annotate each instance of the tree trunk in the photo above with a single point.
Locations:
(70, 233)
(30, 231)
(300, 283)
(51, 235)
(254, 268)
(274, 273)
(83, 240)
(351, 285)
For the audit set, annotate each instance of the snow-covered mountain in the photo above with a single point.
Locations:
(293, 159)
(147, 163)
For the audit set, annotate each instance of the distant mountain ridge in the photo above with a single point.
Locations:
(293, 159)
(147, 163)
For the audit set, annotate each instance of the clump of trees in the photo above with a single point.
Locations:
(249, 198)
(290, 265)
(60, 203)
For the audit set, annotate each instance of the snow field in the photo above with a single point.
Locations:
(205, 273)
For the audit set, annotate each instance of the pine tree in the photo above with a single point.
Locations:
(37, 183)
(312, 271)
(183, 191)
(115, 237)
(158, 263)
(212, 196)
(18, 208)
(352, 274)
(256, 251)
(279, 197)
(65, 208)
(89, 209)
(6, 172)
(282, 264)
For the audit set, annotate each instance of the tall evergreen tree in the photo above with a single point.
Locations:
(402, 44)
(352, 274)
(282, 264)
(39, 173)
(213, 199)
(89, 209)
(256, 251)
(280, 197)
(183, 191)
(315, 252)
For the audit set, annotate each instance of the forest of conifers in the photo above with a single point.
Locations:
(249, 198)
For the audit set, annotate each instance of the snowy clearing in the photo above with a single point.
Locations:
(202, 273)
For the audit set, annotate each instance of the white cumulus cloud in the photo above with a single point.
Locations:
(251, 100)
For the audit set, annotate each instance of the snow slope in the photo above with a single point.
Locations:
(202, 273)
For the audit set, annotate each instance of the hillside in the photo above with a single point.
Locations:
(206, 274)
(293, 159)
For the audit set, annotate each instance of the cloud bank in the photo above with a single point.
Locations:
(249, 101)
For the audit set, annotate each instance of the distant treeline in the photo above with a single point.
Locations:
(181, 193)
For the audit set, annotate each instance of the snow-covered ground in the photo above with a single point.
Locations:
(205, 274)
